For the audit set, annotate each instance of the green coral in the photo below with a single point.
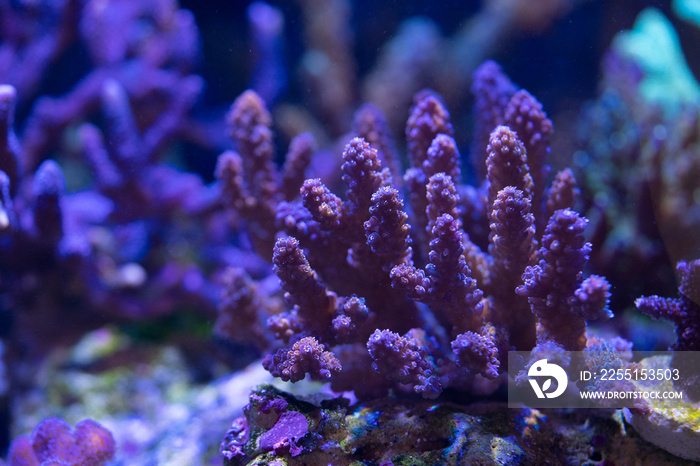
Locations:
(654, 45)
(682, 413)
(671, 424)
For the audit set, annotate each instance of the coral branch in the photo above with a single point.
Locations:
(507, 163)
(683, 311)
(428, 118)
(442, 198)
(551, 285)
(49, 186)
(249, 125)
(312, 300)
(387, 230)
(478, 352)
(404, 360)
(492, 91)
(307, 356)
(513, 249)
(371, 125)
(524, 115)
(562, 193)
(9, 145)
(324, 206)
(296, 162)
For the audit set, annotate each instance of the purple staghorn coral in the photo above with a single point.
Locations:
(371, 125)
(425, 307)
(326, 206)
(151, 65)
(250, 182)
(558, 296)
(442, 198)
(429, 117)
(562, 193)
(267, 28)
(404, 360)
(478, 352)
(301, 150)
(386, 229)
(239, 317)
(363, 174)
(449, 288)
(251, 186)
(9, 145)
(313, 303)
(427, 154)
(524, 115)
(513, 249)
(328, 67)
(638, 186)
(306, 356)
(49, 186)
(32, 37)
(507, 164)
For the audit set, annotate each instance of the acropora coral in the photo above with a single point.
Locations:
(355, 270)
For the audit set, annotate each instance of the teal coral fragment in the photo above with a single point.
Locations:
(688, 10)
(654, 45)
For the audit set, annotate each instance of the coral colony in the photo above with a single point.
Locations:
(387, 278)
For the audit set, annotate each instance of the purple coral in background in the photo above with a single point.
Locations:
(267, 28)
(9, 157)
(492, 90)
(684, 312)
(55, 233)
(640, 212)
(53, 441)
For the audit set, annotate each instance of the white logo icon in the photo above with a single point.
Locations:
(544, 369)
